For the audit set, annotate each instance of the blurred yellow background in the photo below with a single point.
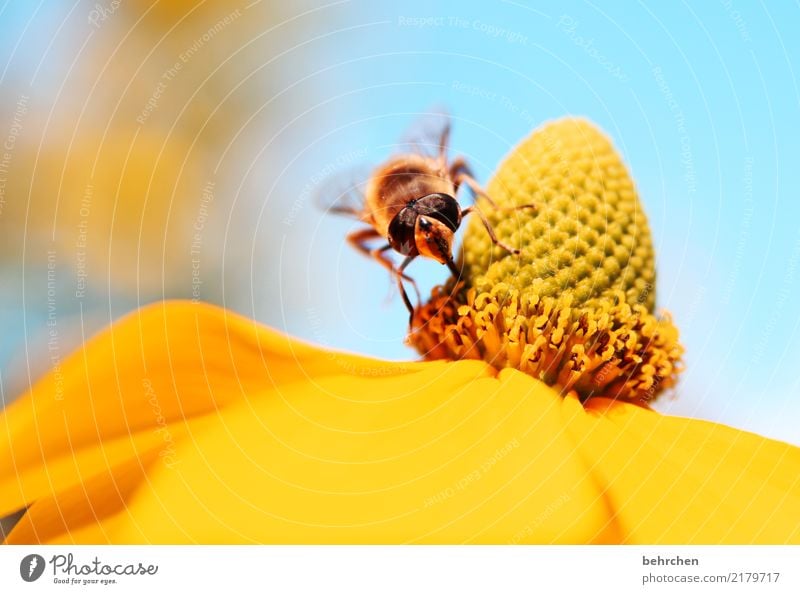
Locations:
(132, 125)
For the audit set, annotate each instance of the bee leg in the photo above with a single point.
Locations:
(461, 173)
(458, 169)
(379, 254)
(489, 230)
(358, 239)
(479, 191)
(406, 300)
(476, 188)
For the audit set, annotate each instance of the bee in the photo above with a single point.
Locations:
(409, 205)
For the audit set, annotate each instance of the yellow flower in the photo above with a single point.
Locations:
(186, 423)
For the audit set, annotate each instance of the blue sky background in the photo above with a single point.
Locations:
(701, 99)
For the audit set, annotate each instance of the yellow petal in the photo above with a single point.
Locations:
(139, 384)
(452, 456)
(260, 438)
(684, 481)
(273, 441)
(84, 512)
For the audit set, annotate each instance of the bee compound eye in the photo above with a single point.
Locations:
(424, 224)
(401, 232)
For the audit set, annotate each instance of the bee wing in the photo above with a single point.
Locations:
(343, 192)
(428, 134)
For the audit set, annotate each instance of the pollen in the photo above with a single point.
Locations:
(576, 307)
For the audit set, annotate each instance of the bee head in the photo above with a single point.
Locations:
(426, 227)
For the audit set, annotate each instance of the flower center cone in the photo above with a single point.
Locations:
(575, 308)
